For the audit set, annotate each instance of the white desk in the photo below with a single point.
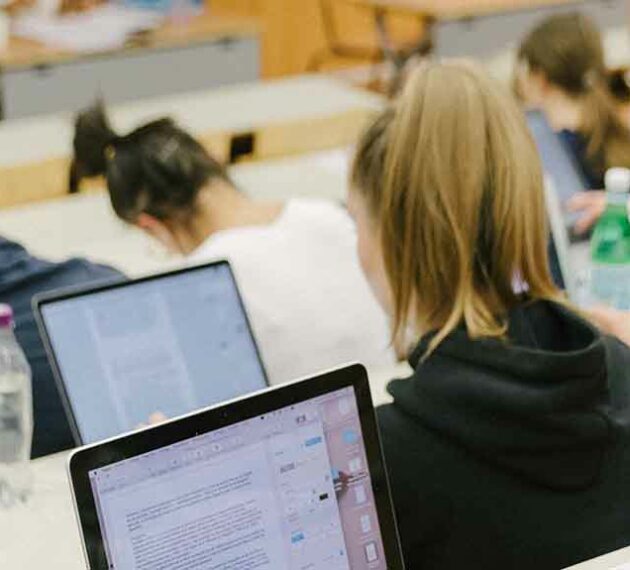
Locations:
(43, 533)
(619, 560)
(242, 108)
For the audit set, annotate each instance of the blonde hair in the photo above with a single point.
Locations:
(453, 181)
(568, 50)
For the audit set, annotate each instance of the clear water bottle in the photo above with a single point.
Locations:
(610, 244)
(16, 416)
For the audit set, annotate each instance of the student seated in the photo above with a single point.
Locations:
(562, 72)
(509, 447)
(22, 276)
(295, 262)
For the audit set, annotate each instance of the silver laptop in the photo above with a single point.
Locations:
(169, 343)
(291, 478)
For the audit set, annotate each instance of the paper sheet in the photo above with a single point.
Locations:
(104, 28)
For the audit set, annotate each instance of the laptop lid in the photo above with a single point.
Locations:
(169, 343)
(289, 478)
(559, 246)
(558, 163)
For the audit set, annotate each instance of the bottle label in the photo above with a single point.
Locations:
(611, 285)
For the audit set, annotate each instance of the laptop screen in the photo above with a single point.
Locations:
(171, 344)
(557, 162)
(290, 489)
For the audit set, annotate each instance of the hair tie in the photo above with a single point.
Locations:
(589, 80)
(169, 149)
(110, 152)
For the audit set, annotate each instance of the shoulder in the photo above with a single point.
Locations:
(79, 270)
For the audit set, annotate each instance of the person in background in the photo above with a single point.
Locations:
(561, 70)
(22, 276)
(295, 262)
(509, 447)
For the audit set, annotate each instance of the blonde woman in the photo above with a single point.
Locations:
(508, 447)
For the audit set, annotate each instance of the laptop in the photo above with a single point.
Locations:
(563, 179)
(289, 478)
(168, 343)
(558, 163)
(559, 247)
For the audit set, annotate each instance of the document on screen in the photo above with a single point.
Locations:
(139, 355)
(220, 515)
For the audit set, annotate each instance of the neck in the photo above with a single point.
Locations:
(221, 207)
(563, 111)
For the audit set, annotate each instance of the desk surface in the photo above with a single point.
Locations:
(619, 560)
(461, 9)
(239, 108)
(23, 53)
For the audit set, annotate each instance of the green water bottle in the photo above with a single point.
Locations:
(610, 244)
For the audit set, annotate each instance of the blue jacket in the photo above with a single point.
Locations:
(21, 277)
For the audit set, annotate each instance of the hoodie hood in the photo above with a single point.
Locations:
(535, 404)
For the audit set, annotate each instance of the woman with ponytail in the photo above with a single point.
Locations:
(563, 73)
(509, 446)
(295, 261)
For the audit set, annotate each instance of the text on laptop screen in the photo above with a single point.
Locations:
(171, 344)
(288, 490)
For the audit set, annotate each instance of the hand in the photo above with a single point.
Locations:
(591, 205)
(611, 321)
(155, 418)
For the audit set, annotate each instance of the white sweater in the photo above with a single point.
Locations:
(304, 291)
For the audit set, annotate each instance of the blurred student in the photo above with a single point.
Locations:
(562, 72)
(22, 276)
(509, 447)
(295, 262)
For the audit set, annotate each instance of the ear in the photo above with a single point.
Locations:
(159, 231)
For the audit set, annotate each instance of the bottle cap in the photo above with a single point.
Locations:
(6, 316)
(618, 180)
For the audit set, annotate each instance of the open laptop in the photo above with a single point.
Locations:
(558, 163)
(286, 479)
(168, 343)
(563, 179)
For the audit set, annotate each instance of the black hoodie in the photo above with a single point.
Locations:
(512, 454)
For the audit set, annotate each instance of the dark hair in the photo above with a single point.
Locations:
(157, 169)
(619, 84)
(568, 50)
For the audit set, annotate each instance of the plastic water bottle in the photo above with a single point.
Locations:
(610, 244)
(16, 416)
